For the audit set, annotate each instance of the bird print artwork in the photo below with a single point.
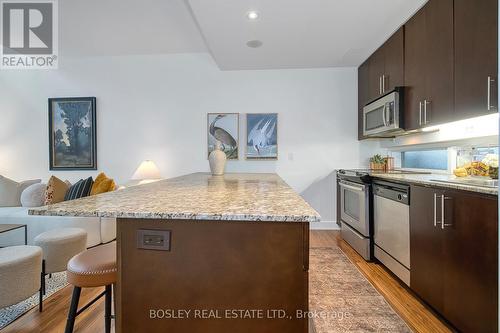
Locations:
(262, 136)
(223, 128)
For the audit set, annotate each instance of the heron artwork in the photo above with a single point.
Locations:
(221, 128)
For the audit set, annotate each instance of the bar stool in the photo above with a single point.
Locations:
(95, 267)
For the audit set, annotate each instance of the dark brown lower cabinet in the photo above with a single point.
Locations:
(217, 276)
(454, 268)
(426, 248)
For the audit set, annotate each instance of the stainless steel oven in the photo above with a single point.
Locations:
(353, 203)
(383, 117)
(355, 216)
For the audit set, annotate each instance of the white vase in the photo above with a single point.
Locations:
(217, 160)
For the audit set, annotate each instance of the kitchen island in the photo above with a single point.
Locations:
(202, 253)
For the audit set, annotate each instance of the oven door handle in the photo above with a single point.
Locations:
(351, 187)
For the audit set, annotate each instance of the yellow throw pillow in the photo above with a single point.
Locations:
(56, 190)
(102, 184)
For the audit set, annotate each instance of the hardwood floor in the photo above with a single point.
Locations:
(404, 302)
(414, 312)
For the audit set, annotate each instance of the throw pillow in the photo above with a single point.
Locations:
(80, 189)
(10, 191)
(34, 195)
(102, 184)
(56, 190)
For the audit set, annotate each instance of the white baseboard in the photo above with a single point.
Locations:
(324, 225)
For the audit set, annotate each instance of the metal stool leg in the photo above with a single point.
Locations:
(43, 278)
(42, 287)
(70, 323)
(113, 316)
(107, 309)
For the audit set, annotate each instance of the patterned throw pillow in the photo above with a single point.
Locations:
(55, 192)
(102, 184)
(80, 189)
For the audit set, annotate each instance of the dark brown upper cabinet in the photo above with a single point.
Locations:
(380, 73)
(386, 66)
(428, 65)
(454, 267)
(393, 75)
(376, 71)
(363, 97)
(476, 57)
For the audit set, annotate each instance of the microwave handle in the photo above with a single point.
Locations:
(384, 120)
(387, 111)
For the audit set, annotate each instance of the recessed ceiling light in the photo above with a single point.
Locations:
(252, 15)
(254, 43)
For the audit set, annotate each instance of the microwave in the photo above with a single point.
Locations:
(384, 116)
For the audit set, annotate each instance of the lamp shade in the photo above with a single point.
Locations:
(147, 170)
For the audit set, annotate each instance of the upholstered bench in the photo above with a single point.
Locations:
(58, 247)
(20, 268)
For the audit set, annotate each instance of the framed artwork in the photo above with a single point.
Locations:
(224, 127)
(262, 136)
(72, 133)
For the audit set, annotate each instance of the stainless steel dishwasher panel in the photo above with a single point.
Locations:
(392, 228)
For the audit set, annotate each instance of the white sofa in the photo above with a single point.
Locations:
(99, 230)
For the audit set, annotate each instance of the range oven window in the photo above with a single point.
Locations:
(351, 204)
(374, 119)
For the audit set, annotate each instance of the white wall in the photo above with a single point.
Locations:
(154, 107)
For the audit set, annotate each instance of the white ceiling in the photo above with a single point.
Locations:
(295, 33)
(125, 27)
(298, 33)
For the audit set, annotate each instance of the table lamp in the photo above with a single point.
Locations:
(147, 172)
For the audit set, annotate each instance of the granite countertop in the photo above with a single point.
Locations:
(433, 180)
(197, 196)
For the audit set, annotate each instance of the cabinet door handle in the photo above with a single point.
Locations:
(443, 224)
(383, 84)
(490, 80)
(380, 85)
(425, 110)
(435, 210)
(420, 113)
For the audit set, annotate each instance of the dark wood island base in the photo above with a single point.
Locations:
(216, 276)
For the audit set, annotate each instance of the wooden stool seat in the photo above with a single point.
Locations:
(95, 267)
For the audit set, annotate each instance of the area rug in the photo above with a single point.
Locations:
(342, 300)
(11, 313)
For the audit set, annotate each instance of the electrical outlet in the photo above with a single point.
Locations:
(153, 239)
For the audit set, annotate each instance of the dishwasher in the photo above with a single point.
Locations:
(391, 212)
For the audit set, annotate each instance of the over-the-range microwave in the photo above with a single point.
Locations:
(384, 116)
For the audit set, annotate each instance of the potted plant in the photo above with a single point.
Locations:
(377, 162)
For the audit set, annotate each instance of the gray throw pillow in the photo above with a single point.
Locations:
(34, 195)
